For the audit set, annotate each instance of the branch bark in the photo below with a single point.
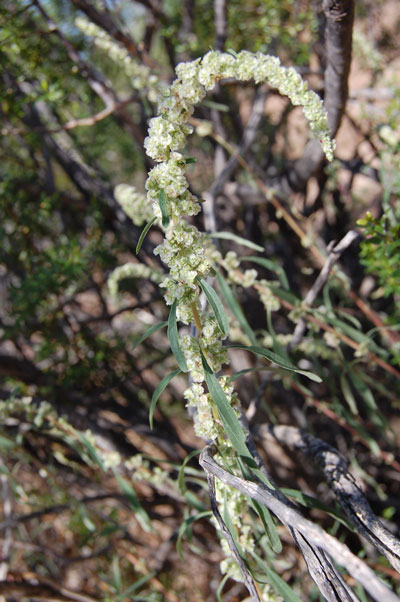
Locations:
(339, 28)
(349, 495)
(313, 534)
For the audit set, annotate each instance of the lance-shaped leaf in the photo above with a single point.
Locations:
(143, 234)
(161, 386)
(278, 360)
(149, 332)
(238, 239)
(162, 201)
(235, 308)
(174, 340)
(272, 266)
(140, 513)
(227, 413)
(216, 304)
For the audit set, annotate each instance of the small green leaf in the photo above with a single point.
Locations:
(238, 239)
(116, 574)
(149, 332)
(7, 443)
(143, 234)
(162, 201)
(161, 386)
(135, 586)
(220, 588)
(348, 394)
(269, 525)
(174, 339)
(280, 586)
(92, 451)
(186, 529)
(235, 308)
(136, 506)
(181, 474)
(277, 359)
(190, 160)
(227, 413)
(211, 104)
(272, 267)
(217, 307)
(363, 389)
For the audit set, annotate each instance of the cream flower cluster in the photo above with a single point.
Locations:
(267, 297)
(140, 75)
(132, 270)
(185, 249)
(168, 131)
(231, 263)
(134, 204)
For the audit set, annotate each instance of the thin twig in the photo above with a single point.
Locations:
(220, 24)
(7, 512)
(339, 27)
(75, 123)
(323, 276)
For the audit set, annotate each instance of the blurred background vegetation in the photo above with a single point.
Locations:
(77, 524)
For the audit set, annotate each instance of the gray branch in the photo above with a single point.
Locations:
(323, 276)
(312, 533)
(334, 467)
(339, 27)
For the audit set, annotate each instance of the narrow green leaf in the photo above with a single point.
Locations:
(285, 295)
(149, 332)
(174, 339)
(181, 474)
(190, 160)
(116, 574)
(220, 588)
(136, 506)
(186, 529)
(159, 389)
(280, 586)
(217, 307)
(227, 413)
(137, 585)
(143, 234)
(230, 526)
(211, 104)
(269, 525)
(7, 443)
(362, 389)
(92, 451)
(311, 502)
(348, 394)
(272, 267)
(162, 201)
(276, 359)
(238, 239)
(240, 373)
(235, 308)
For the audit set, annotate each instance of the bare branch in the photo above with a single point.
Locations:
(323, 276)
(75, 123)
(105, 22)
(335, 469)
(339, 27)
(220, 24)
(314, 534)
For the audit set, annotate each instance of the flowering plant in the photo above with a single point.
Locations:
(192, 259)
